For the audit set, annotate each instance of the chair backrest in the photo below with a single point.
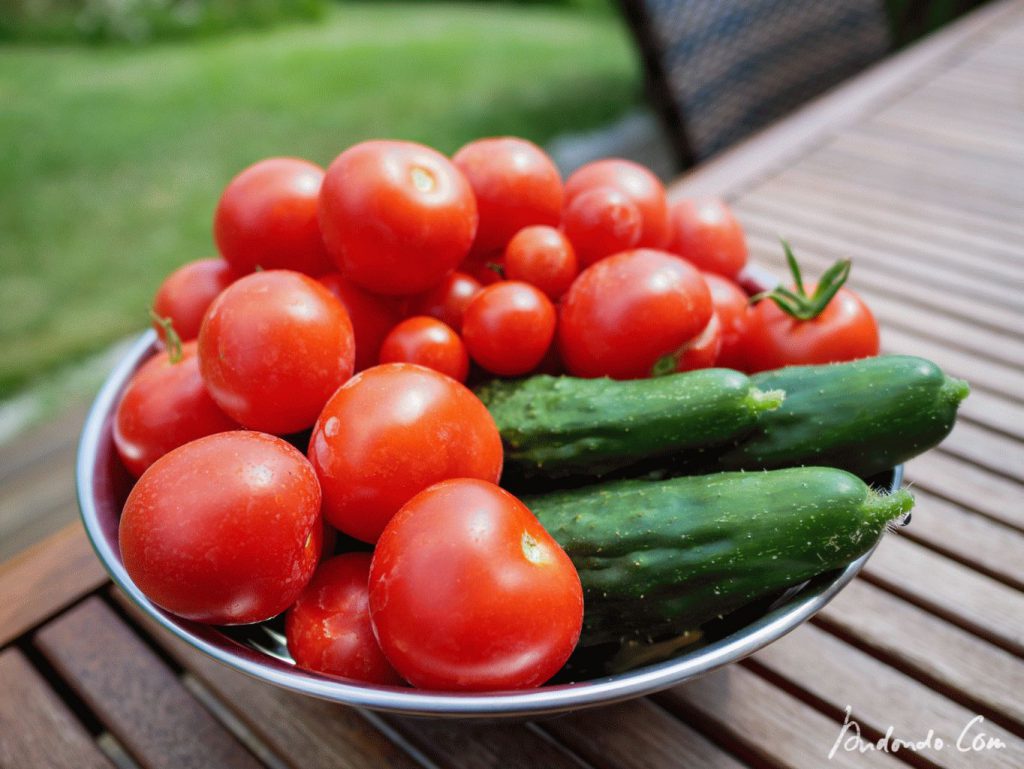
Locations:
(720, 69)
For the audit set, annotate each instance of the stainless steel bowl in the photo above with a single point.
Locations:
(259, 650)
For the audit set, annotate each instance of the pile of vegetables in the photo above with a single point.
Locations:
(305, 442)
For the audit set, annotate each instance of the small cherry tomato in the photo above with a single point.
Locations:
(705, 232)
(469, 592)
(732, 306)
(372, 317)
(508, 327)
(186, 293)
(543, 257)
(600, 222)
(396, 216)
(266, 218)
(626, 312)
(642, 187)
(225, 529)
(390, 432)
(428, 342)
(703, 349)
(822, 323)
(448, 299)
(328, 629)
(273, 348)
(515, 183)
(165, 405)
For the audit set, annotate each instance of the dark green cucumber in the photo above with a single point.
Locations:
(660, 557)
(866, 416)
(562, 426)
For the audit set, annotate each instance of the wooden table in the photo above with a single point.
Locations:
(916, 170)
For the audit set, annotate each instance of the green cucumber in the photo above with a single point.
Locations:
(556, 427)
(657, 558)
(866, 416)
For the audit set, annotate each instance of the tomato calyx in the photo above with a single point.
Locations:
(171, 338)
(798, 303)
(497, 268)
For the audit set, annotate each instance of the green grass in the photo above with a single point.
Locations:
(112, 159)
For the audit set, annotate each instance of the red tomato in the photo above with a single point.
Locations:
(428, 342)
(165, 406)
(469, 592)
(225, 529)
(600, 222)
(186, 293)
(390, 432)
(508, 327)
(516, 184)
(396, 216)
(705, 232)
(372, 317)
(703, 349)
(543, 257)
(732, 306)
(328, 629)
(627, 311)
(642, 187)
(447, 301)
(266, 218)
(273, 348)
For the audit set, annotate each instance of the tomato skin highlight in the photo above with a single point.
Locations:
(427, 342)
(468, 592)
(845, 330)
(165, 405)
(396, 216)
(224, 530)
(515, 184)
(508, 327)
(267, 218)
(390, 432)
(372, 317)
(732, 306)
(328, 628)
(626, 312)
(642, 187)
(273, 348)
(448, 300)
(186, 294)
(543, 257)
(706, 233)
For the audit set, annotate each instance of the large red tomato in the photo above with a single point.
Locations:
(469, 592)
(396, 216)
(165, 405)
(266, 218)
(328, 629)
(390, 432)
(372, 317)
(516, 184)
(705, 232)
(642, 187)
(273, 348)
(732, 306)
(186, 293)
(626, 312)
(508, 327)
(225, 529)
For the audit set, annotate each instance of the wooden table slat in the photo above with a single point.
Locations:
(970, 486)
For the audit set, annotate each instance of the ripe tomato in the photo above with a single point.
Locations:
(705, 232)
(627, 311)
(372, 317)
(428, 342)
(396, 216)
(824, 323)
(165, 406)
(703, 349)
(469, 592)
(508, 327)
(600, 222)
(266, 218)
(543, 257)
(448, 299)
(732, 306)
(186, 293)
(225, 529)
(515, 183)
(390, 432)
(642, 187)
(328, 629)
(273, 348)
